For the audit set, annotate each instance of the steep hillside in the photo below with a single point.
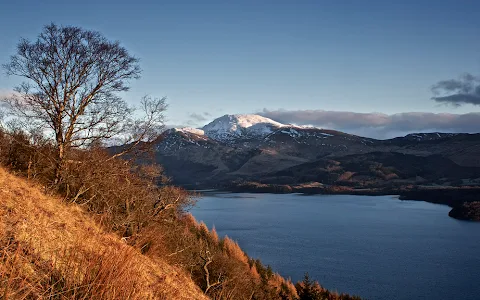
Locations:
(50, 249)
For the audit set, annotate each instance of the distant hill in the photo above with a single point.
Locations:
(252, 147)
(375, 169)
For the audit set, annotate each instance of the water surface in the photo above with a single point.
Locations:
(376, 247)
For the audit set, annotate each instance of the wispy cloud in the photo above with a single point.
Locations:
(464, 90)
(378, 125)
(197, 119)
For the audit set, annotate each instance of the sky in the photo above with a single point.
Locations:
(322, 63)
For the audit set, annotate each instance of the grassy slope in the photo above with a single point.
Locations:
(52, 250)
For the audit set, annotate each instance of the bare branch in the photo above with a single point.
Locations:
(73, 78)
(208, 259)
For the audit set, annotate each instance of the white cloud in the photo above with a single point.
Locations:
(379, 125)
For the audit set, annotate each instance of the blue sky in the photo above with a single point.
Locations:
(218, 57)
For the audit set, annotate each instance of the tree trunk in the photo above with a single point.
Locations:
(60, 162)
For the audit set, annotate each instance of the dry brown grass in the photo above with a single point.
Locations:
(51, 250)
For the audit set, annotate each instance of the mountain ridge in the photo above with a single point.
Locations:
(236, 124)
(250, 147)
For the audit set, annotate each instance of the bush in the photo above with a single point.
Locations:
(124, 196)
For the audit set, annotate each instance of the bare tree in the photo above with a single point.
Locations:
(207, 258)
(73, 80)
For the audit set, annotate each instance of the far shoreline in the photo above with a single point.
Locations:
(465, 202)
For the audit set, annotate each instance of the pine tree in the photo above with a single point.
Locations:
(307, 289)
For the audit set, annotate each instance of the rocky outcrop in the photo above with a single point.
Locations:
(466, 211)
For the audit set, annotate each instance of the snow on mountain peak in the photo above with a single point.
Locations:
(229, 127)
(190, 130)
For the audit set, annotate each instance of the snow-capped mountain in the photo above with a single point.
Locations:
(252, 146)
(232, 127)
